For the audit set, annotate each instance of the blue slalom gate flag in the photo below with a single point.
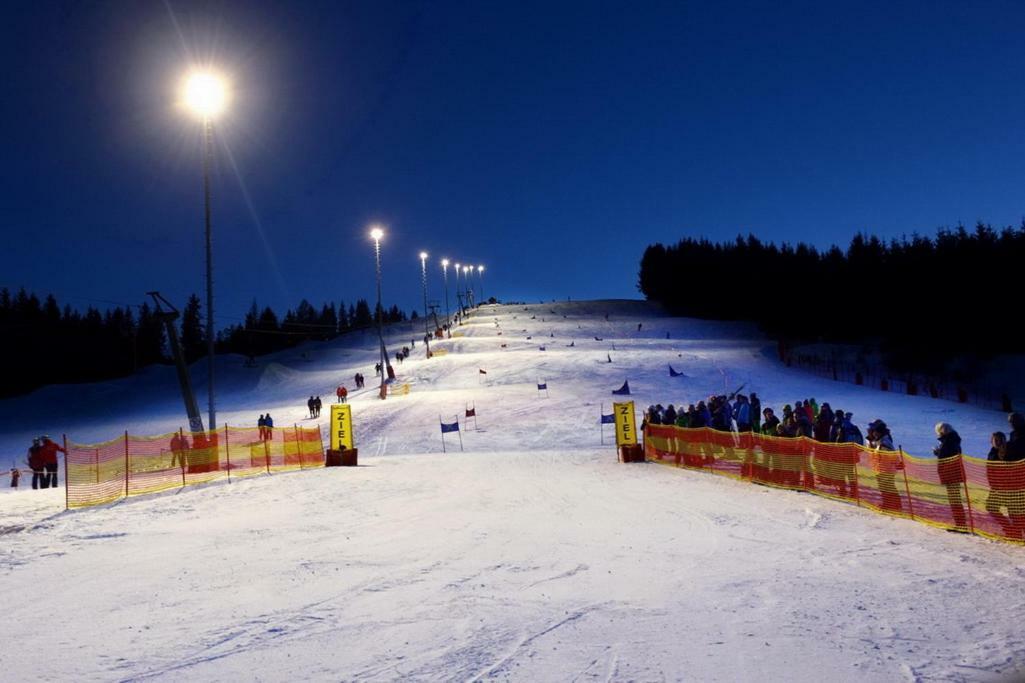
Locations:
(542, 386)
(608, 419)
(451, 427)
(623, 390)
(674, 373)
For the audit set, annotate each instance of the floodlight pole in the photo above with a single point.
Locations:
(207, 159)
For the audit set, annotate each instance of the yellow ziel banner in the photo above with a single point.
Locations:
(341, 426)
(626, 423)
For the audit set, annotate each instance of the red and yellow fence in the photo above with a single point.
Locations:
(964, 493)
(137, 465)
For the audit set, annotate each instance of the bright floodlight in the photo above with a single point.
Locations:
(480, 269)
(423, 255)
(444, 263)
(377, 233)
(205, 94)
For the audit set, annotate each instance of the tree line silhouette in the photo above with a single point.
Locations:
(922, 301)
(46, 343)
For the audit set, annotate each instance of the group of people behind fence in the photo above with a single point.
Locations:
(42, 460)
(743, 414)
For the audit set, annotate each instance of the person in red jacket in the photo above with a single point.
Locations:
(48, 453)
(342, 393)
(35, 463)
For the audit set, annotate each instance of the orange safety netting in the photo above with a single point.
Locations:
(137, 465)
(969, 494)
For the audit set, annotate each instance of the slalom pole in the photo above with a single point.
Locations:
(227, 452)
(907, 489)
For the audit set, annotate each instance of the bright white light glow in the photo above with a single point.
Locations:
(480, 269)
(423, 255)
(205, 94)
(377, 233)
(444, 263)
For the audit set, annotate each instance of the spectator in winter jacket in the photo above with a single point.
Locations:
(48, 452)
(684, 418)
(1005, 490)
(742, 414)
(814, 408)
(179, 444)
(317, 404)
(770, 423)
(836, 429)
(341, 392)
(1015, 450)
(849, 432)
(268, 428)
(951, 473)
(697, 416)
(802, 425)
(756, 412)
(15, 476)
(885, 463)
(35, 463)
(823, 424)
(669, 416)
(262, 425)
(309, 405)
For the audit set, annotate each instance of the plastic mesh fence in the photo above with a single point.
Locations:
(139, 465)
(963, 493)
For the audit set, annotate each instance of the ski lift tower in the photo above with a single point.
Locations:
(168, 317)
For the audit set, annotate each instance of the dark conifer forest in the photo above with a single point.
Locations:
(923, 301)
(43, 342)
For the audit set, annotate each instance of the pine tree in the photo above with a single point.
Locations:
(192, 337)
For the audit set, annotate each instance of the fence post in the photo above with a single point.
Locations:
(97, 465)
(181, 453)
(907, 489)
(64, 437)
(227, 452)
(967, 496)
(299, 445)
(127, 463)
(857, 477)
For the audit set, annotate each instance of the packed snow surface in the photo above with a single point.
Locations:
(531, 555)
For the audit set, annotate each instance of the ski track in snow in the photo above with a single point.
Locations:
(532, 555)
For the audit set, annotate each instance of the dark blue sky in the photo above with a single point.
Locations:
(549, 141)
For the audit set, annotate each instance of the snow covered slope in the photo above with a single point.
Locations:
(531, 556)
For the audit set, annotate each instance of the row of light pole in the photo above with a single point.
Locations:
(206, 95)
(376, 233)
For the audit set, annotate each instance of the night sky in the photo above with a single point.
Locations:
(549, 141)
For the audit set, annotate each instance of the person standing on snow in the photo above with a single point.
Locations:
(756, 412)
(48, 452)
(951, 474)
(309, 405)
(15, 476)
(268, 428)
(35, 463)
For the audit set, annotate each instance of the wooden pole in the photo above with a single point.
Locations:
(67, 486)
(181, 453)
(299, 445)
(967, 496)
(907, 489)
(227, 452)
(127, 463)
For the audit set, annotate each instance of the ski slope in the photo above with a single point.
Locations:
(532, 555)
